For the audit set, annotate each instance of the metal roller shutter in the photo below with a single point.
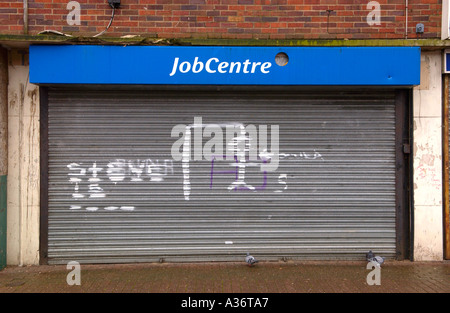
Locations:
(446, 157)
(115, 194)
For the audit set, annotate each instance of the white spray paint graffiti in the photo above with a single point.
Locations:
(95, 191)
(139, 170)
(117, 171)
(237, 147)
(282, 179)
(241, 154)
(185, 159)
(76, 180)
(301, 156)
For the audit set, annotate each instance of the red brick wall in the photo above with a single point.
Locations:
(241, 19)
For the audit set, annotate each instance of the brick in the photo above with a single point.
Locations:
(269, 19)
(189, 7)
(8, 10)
(281, 17)
(236, 19)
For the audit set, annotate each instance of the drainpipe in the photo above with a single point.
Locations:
(406, 19)
(3, 150)
(25, 17)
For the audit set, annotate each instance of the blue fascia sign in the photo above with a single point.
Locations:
(218, 65)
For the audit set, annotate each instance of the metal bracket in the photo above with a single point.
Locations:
(406, 148)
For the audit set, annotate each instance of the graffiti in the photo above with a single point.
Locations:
(241, 164)
(282, 179)
(119, 170)
(301, 156)
(139, 170)
(239, 139)
(91, 177)
(242, 159)
(241, 142)
(239, 172)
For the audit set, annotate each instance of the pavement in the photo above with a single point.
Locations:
(291, 277)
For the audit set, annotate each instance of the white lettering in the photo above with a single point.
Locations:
(222, 67)
(74, 277)
(374, 277)
(246, 64)
(233, 64)
(175, 65)
(74, 16)
(255, 65)
(197, 63)
(176, 151)
(194, 303)
(265, 66)
(374, 16)
(213, 148)
(185, 67)
(208, 63)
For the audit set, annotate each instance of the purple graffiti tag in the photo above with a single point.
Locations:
(221, 172)
(236, 172)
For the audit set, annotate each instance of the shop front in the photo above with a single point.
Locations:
(207, 153)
